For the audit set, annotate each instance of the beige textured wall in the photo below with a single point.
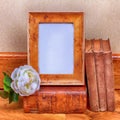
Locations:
(102, 20)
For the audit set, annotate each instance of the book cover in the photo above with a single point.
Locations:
(57, 100)
(100, 78)
(91, 76)
(99, 65)
(108, 75)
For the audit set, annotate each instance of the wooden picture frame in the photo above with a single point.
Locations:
(76, 18)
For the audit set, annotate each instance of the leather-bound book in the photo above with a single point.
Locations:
(99, 65)
(57, 100)
(91, 76)
(109, 77)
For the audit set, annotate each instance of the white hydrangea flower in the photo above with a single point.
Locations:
(26, 80)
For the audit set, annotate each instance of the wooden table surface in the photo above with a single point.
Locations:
(15, 111)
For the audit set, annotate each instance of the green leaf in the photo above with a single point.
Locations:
(7, 89)
(7, 80)
(10, 98)
(8, 92)
(13, 97)
(3, 94)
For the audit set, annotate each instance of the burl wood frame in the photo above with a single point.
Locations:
(76, 18)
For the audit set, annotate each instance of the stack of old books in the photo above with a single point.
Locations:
(99, 72)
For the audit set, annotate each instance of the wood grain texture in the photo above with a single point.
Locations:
(76, 18)
(57, 100)
(116, 66)
(11, 60)
(15, 111)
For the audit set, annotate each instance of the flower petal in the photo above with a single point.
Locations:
(14, 88)
(14, 74)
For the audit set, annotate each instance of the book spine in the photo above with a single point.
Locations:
(45, 101)
(62, 101)
(109, 81)
(30, 104)
(92, 82)
(101, 84)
